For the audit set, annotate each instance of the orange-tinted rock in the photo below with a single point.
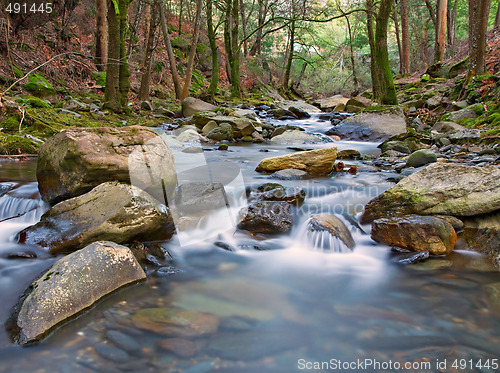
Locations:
(416, 233)
(179, 346)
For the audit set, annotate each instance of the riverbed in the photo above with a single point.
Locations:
(282, 303)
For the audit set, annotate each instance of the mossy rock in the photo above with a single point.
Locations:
(11, 144)
(33, 102)
(459, 68)
(11, 123)
(39, 86)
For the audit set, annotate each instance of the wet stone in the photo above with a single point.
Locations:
(175, 323)
(111, 353)
(413, 258)
(179, 346)
(22, 255)
(123, 341)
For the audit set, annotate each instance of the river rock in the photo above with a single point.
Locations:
(172, 322)
(482, 233)
(266, 217)
(191, 105)
(415, 233)
(348, 154)
(372, 126)
(398, 146)
(315, 162)
(190, 135)
(209, 127)
(299, 113)
(179, 346)
(111, 211)
(78, 159)
(421, 158)
(440, 188)
(469, 112)
(295, 137)
(73, 284)
(329, 103)
(277, 192)
(298, 104)
(446, 127)
(222, 132)
(356, 104)
(289, 174)
(332, 225)
(198, 197)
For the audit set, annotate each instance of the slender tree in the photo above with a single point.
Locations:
(405, 38)
(497, 18)
(148, 56)
(441, 28)
(452, 23)
(212, 89)
(479, 11)
(112, 90)
(101, 51)
(124, 72)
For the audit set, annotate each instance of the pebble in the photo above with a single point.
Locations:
(111, 353)
(123, 341)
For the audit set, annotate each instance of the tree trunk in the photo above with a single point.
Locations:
(112, 89)
(441, 27)
(398, 38)
(192, 51)
(452, 24)
(497, 18)
(387, 89)
(478, 24)
(288, 67)
(212, 89)
(370, 16)
(101, 50)
(124, 72)
(405, 38)
(257, 46)
(234, 61)
(148, 57)
(353, 61)
(296, 84)
(176, 80)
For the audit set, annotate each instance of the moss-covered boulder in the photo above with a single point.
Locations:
(421, 158)
(73, 284)
(440, 188)
(78, 159)
(39, 86)
(111, 211)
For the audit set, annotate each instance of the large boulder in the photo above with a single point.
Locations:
(357, 104)
(78, 159)
(266, 217)
(222, 132)
(440, 188)
(191, 105)
(241, 126)
(372, 125)
(330, 103)
(416, 233)
(73, 284)
(111, 211)
(315, 162)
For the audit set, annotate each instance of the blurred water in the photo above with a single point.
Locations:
(282, 304)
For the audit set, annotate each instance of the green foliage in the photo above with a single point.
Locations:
(99, 77)
(33, 102)
(18, 73)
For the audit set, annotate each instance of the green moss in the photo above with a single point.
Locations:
(33, 102)
(11, 123)
(10, 144)
(39, 86)
(99, 77)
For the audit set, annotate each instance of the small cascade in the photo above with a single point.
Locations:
(319, 240)
(20, 207)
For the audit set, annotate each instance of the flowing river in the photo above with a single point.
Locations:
(282, 304)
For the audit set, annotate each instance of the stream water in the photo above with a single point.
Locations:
(282, 304)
